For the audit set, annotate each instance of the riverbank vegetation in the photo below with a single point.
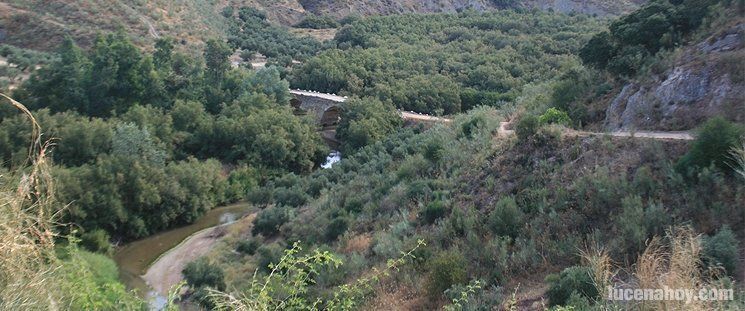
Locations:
(149, 141)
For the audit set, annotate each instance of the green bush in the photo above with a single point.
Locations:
(433, 211)
(268, 222)
(527, 127)
(722, 249)
(292, 197)
(96, 241)
(713, 146)
(574, 279)
(318, 22)
(201, 273)
(336, 228)
(248, 247)
(446, 270)
(555, 116)
(505, 219)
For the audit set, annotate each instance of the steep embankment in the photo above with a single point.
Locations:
(706, 79)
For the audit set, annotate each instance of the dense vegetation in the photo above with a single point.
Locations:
(252, 33)
(491, 212)
(455, 214)
(446, 64)
(144, 138)
(635, 38)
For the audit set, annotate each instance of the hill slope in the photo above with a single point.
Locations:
(41, 25)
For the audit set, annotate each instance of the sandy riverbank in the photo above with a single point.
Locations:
(165, 272)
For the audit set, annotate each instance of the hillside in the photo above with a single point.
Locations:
(340, 8)
(42, 25)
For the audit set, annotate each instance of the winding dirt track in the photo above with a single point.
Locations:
(658, 135)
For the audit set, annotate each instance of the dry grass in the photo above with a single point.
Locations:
(358, 244)
(673, 262)
(738, 154)
(27, 258)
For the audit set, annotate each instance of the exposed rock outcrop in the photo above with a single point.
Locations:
(706, 81)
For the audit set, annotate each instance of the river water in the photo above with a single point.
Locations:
(134, 258)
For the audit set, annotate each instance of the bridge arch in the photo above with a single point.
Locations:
(331, 116)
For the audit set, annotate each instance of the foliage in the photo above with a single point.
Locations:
(527, 127)
(632, 39)
(555, 116)
(446, 270)
(96, 241)
(723, 249)
(268, 221)
(433, 211)
(317, 22)
(576, 279)
(252, 32)
(201, 273)
(506, 218)
(248, 247)
(714, 142)
(445, 63)
(287, 285)
(366, 121)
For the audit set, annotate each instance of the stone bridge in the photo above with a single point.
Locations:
(325, 108)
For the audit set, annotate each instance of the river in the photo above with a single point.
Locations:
(134, 258)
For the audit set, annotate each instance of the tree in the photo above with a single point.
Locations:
(216, 59)
(365, 121)
(715, 140)
(201, 273)
(61, 86)
(163, 55)
(129, 140)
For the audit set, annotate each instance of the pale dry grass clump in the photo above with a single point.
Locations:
(27, 258)
(738, 154)
(674, 263)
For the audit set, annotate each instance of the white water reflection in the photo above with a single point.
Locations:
(334, 157)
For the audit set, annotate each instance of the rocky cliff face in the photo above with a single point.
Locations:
(708, 79)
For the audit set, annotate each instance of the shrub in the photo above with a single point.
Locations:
(96, 241)
(269, 221)
(716, 140)
(433, 211)
(269, 254)
(574, 279)
(260, 196)
(293, 196)
(527, 127)
(446, 270)
(248, 247)
(506, 217)
(722, 249)
(336, 228)
(201, 273)
(555, 116)
(318, 22)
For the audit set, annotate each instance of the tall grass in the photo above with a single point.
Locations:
(27, 258)
(674, 262)
(738, 154)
